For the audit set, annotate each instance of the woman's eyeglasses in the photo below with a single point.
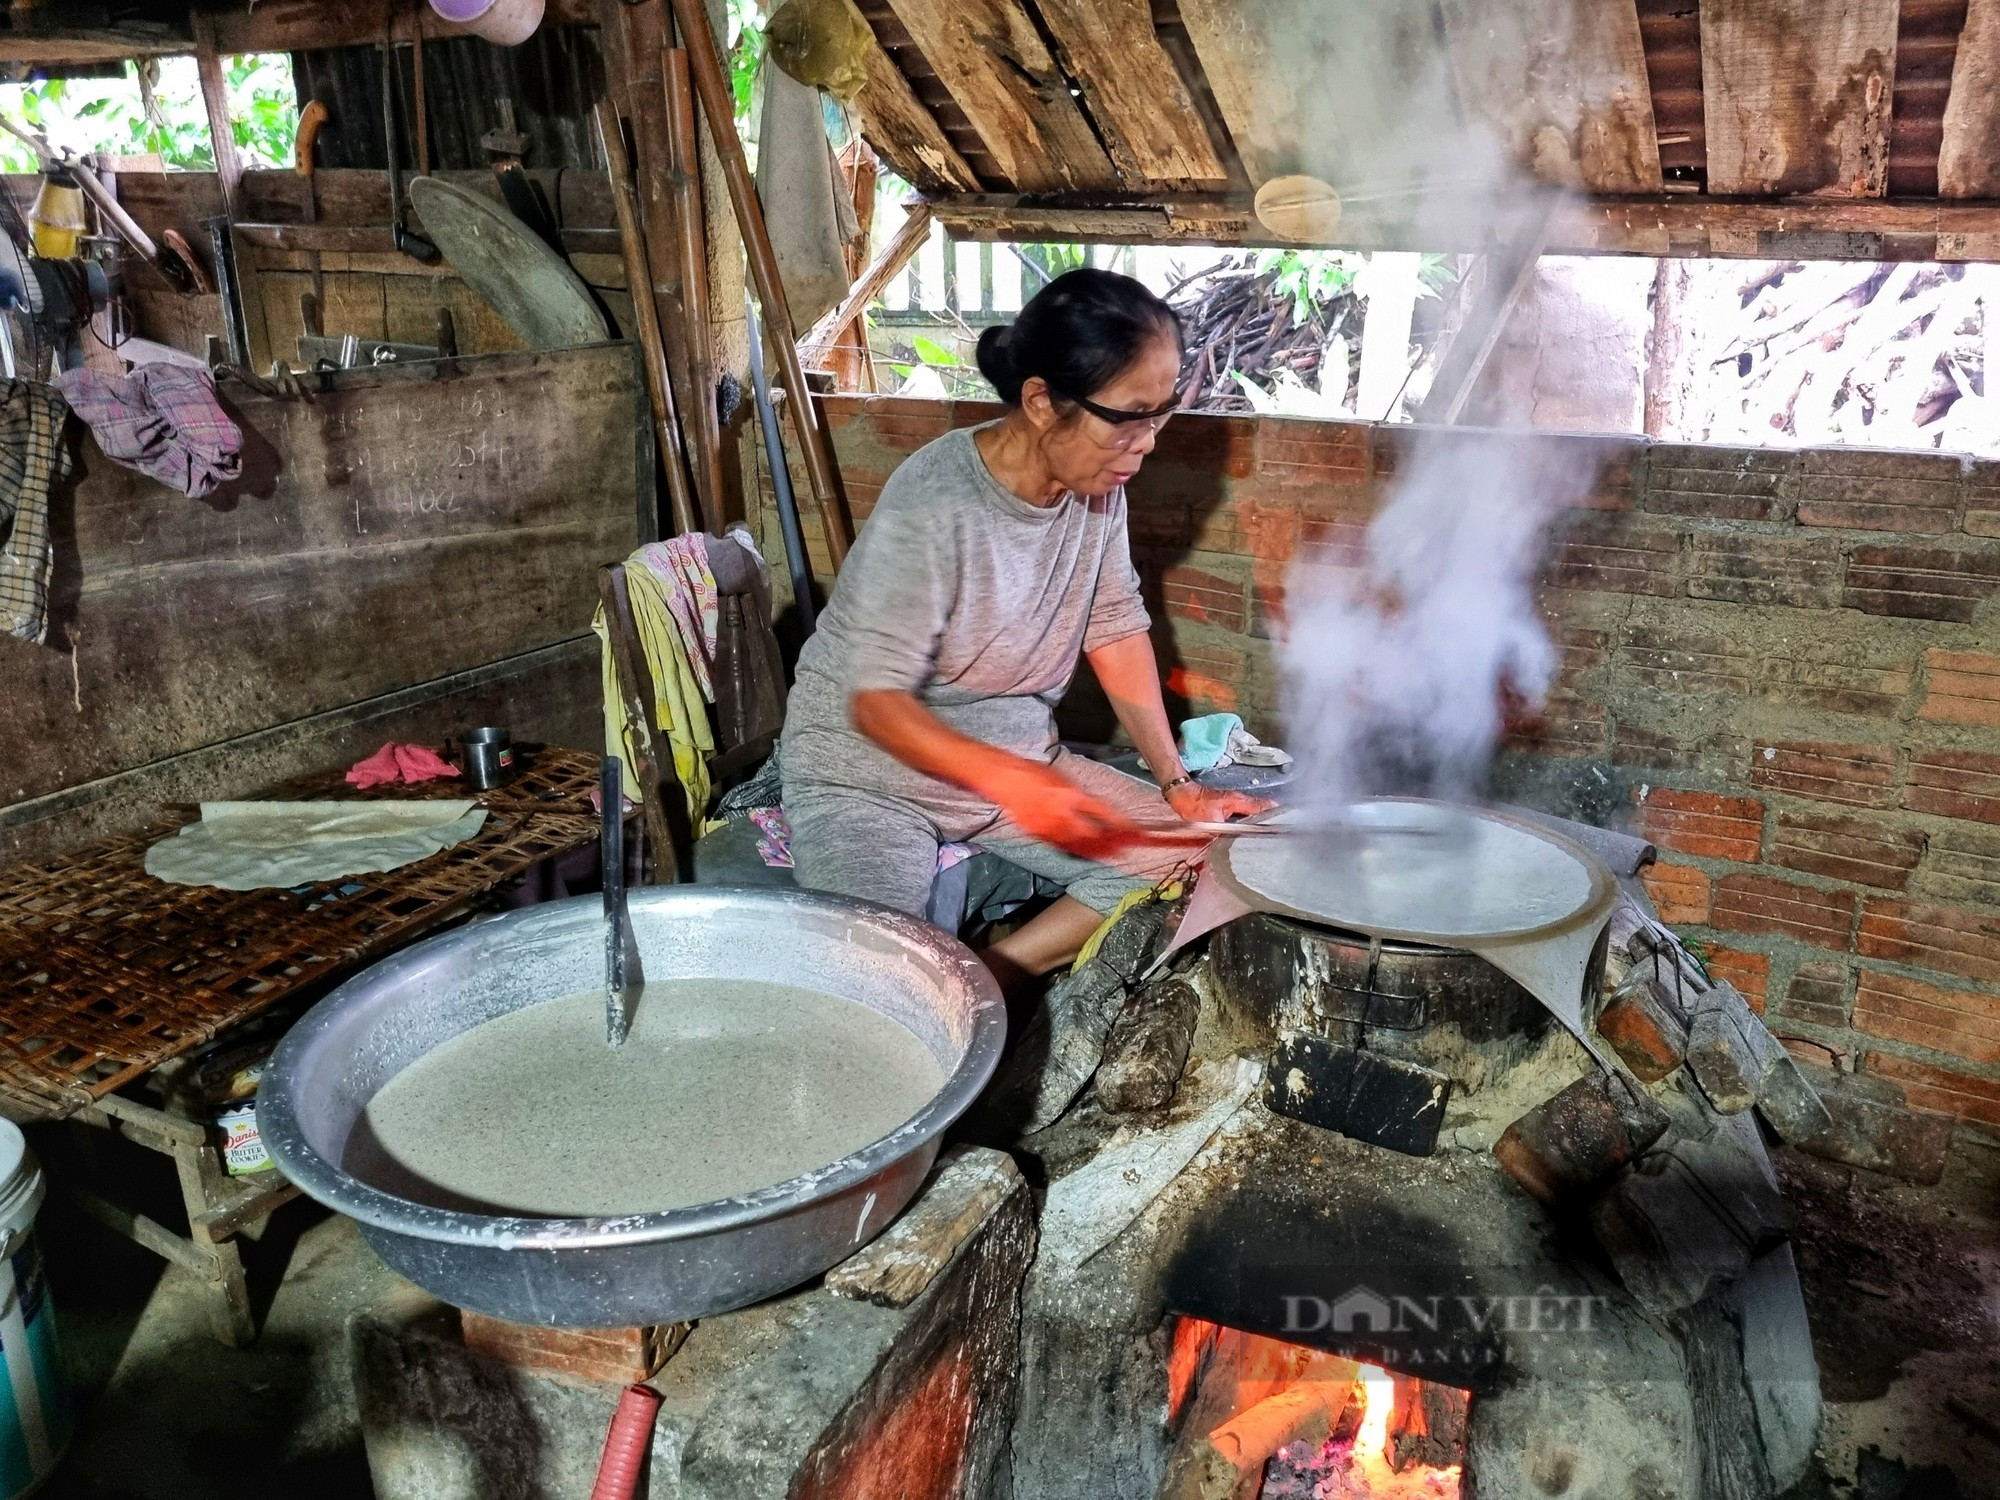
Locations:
(1126, 431)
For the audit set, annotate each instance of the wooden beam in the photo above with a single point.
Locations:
(309, 25)
(1796, 95)
(896, 123)
(1969, 162)
(1510, 272)
(991, 57)
(215, 100)
(1564, 84)
(911, 238)
(1134, 93)
(1672, 224)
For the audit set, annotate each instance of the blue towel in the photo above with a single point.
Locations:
(1204, 741)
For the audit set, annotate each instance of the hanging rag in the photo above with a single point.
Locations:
(408, 764)
(801, 186)
(680, 567)
(163, 420)
(32, 462)
(677, 694)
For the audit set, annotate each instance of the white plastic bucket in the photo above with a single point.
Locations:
(35, 1414)
(505, 23)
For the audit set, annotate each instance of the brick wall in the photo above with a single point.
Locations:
(1782, 667)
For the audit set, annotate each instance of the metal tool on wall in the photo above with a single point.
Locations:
(506, 148)
(796, 560)
(407, 240)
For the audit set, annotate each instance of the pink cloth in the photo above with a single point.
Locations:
(405, 763)
(681, 565)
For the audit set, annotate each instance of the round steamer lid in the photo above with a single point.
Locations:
(1428, 871)
(1299, 208)
(506, 264)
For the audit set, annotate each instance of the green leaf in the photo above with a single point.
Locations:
(932, 352)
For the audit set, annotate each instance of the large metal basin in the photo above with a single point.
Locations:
(647, 1268)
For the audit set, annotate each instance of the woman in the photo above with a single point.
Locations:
(923, 710)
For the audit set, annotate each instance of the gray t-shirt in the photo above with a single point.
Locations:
(979, 603)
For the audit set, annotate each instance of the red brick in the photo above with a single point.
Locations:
(1853, 775)
(1649, 1039)
(1617, 485)
(1949, 939)
(1982, 500)
(1963, 866)
(1941, 1089)
(1315, 453)
(1841, 847)
(1965, 688)
(1955, 784)
(1701, 823)
(1686, 662)
(1611, 554)
(1818, 993)
(1960, 1022)
(1722, 484)
(1759, 903)
(1920, 583)
(1680, 892)
(1209, 598)
(1337, 540)
(1270, 529)
(1750, 568)
(1805, 1050)
(1151, 522)
(1749, 972)
(1855, 491)
(1204, 694)
(1209, 445)
(1571, 730)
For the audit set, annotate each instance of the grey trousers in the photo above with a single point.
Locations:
(881, 848)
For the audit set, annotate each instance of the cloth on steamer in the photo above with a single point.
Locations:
(248, 846)
(32, 463)
(162, 420)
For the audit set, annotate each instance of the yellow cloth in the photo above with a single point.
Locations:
(1167, 890)
(676, 694)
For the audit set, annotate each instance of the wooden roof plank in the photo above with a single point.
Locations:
(1797, 96)
(1135, 94)
(1969, 159)
(1564, 83)
(1229, 41)
(910, 139)
(993, 60)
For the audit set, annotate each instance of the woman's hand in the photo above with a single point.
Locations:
(1047, 805)
(1199, 804)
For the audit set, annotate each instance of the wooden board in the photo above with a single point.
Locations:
(896, 124)
(1969, 161)
(1133, 91)
(993, 60)
(1796, 95)
(1351, 103)
(401, 528)
(1563, 83)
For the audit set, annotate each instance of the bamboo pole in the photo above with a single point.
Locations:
(704, 64)
(684, 176)
(646, 318)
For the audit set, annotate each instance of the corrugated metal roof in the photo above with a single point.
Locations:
(553, 79)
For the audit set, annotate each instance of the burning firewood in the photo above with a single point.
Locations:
(1228, 1460)
(1427, 1424)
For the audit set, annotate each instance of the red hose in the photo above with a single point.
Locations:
(627, 1444)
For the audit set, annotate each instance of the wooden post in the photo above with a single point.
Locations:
(704, 62)
(1510, 271)
(911, 238)
(684, 179)
(646, 317)
(215, 99)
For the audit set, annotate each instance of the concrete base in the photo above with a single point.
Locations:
(809, 1395)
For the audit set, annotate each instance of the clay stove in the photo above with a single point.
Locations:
(1612, 1312)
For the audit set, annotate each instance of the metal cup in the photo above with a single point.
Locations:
(489, 757)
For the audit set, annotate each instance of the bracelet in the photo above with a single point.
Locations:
(1184, 779)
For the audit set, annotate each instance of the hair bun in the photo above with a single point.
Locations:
(995, 357)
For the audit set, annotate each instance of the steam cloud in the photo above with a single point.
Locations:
(1391, 663)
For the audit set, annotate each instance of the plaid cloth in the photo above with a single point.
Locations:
(162, 420)
(32, 461)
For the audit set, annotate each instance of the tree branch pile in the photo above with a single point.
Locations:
(1236, 322)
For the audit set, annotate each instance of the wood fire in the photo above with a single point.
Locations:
(1261, 1419)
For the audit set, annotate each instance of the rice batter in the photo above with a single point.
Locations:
(723, 1087)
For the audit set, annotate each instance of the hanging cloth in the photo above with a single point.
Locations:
(678, 698)
(32, 462)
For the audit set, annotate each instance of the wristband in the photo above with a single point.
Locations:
(1184, 779)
